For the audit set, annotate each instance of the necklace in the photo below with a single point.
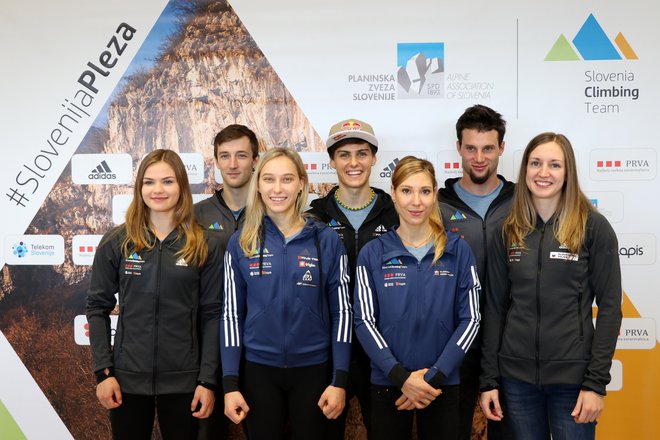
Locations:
(414, 245)
(359, 208)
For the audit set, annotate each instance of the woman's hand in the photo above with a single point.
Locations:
(235, 407)
(490, 405)
(332, 401)
(588, 407)
(205, 398)
(418, 391)
(109, 393)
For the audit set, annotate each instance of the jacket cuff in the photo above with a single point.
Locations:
(434, 377)
(398, 375)
(230, 384)
(340, 379)
(588, 386)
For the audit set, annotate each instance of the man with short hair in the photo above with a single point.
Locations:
(358, 213)
(236, 153)
(474, 206)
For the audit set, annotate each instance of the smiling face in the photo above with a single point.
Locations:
(279, 186)
(480, 152)
(546, 173)
(160, 189)
(353, 163)
(414, 199)
(235, 162)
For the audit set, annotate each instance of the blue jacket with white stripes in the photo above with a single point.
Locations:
(287, 305)
(412, 314)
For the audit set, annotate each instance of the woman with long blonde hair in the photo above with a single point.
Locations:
(416, 312)
(168, 275)
(541, 350)
(286, 309)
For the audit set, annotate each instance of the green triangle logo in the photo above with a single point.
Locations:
(9, 429)
(562, 51)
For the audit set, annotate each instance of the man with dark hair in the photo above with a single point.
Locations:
(358, 213)
(236, 152)
(475, 206)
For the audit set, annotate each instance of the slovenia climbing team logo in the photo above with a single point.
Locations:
(591, 43)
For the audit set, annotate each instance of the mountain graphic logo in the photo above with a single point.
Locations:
(134, 256)
(334, 223)
(458, 215)
(387, 171)
(420, 70)
(216, 226)
(591, 44)
(393, 261)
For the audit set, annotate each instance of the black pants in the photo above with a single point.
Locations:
(214, 427)
(359, 386)
(273, 393)
(134, 418)
(438, 421)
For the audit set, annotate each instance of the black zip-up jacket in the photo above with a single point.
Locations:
(460, 219)
(381, 218)
(167, 336)
(214, 214)
(538, 316)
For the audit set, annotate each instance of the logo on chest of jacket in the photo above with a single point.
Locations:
(133, 264)
(216, 226)
(442, 273)
(307, 280)
(380, 230)
(515, 252)
(457, 217)
(257, 252)
(394, 263)
(334, 224)
(566, 256)
(181, 262)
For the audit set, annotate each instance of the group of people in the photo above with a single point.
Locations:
(253, 295)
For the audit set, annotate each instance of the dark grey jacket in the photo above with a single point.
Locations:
(538, 324)
(169, 312)
(214, 214)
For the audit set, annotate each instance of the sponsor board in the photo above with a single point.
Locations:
(33, 250)
(106, 169)
(387, 161)
(616, 373)
(318, 167)
(81, 329)
(637, 248)
(83, 249)
(623, 164)
(608, 203)
(194, 163)
(120, 203)
(199, 197)
(636, 334)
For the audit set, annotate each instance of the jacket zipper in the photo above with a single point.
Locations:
(160, 252)
(538, 305)
(580, 313)
(285, 298)
(418, 312)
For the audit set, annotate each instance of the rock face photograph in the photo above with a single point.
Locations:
(207, 73)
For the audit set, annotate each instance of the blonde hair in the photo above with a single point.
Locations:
(256, 209)
(137, 227)
(573, 208)
(408, 166)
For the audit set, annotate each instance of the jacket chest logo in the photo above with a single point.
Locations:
(442, 273)
(133, 265)
(216, 226)
(307, 280)
(458, 216)
(266, 267)
(307, 261)
(181, 262)
(566, 256)
(394, 279)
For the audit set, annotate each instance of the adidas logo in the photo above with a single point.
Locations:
(307, 277)
(334, 223)
(102, 172)
(458, 215)
(387, 171)
(217, 226)
(381, 229)
(182, 262)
